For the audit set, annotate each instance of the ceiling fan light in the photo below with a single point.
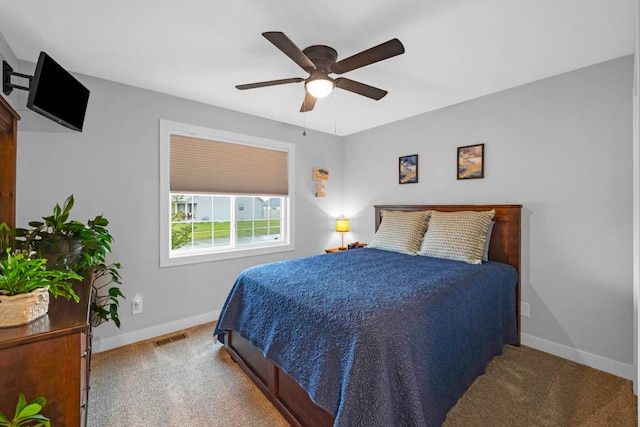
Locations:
(320, 87)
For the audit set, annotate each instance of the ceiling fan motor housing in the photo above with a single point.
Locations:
(322, 56)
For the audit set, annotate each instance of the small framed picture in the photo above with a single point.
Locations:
(471, 161)
(408, 169)
(320, 174)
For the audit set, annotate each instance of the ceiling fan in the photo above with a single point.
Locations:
(320, 61)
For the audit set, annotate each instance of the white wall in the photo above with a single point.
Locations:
(112, 167)
(562, 148)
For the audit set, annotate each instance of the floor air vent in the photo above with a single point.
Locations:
(172, 338)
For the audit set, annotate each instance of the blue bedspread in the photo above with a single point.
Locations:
(377, 338)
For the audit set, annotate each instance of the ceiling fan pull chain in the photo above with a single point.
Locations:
(304, 119)
(335, 112)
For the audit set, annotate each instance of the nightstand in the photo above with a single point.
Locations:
(355, 245)
(331, 250)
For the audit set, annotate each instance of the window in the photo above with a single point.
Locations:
(207, 222)
(222, 195)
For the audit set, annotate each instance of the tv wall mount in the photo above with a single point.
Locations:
(7, 73)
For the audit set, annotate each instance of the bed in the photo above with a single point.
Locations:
(374, 337)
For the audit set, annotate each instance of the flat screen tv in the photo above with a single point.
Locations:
(57, 95)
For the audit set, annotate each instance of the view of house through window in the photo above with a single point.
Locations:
(224, 195)
(209, 222)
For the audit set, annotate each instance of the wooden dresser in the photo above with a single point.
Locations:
(8, 149)
(50, 357)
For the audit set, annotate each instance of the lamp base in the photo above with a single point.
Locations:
(342, 247)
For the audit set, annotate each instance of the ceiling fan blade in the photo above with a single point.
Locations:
(360, 88)
(308, 103)
(377, 53)
(270, 83)
(289, 48)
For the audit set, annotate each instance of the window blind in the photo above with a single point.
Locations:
(205, 166)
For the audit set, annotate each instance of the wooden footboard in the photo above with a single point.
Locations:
(284, 393)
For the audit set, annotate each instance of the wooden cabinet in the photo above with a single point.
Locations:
(50, 357)
(8, 135)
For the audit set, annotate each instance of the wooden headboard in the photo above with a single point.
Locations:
(505, 237)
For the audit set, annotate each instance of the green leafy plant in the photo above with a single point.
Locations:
(180, 233)
(105, 305)
(55, 236)
(20, 274)
(81, 248)
(27, 414)
(6, 238)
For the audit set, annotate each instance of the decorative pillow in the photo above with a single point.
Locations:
(457, 235)
(401, 231)
(487, 242)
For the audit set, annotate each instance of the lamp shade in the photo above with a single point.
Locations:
(342, 225)
(319, 87)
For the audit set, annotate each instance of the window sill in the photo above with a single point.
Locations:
(194, 258)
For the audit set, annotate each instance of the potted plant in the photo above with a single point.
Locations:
(27, 414)
(25, 285)
(79, 247)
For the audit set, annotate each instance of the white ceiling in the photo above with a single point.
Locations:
(456, 50)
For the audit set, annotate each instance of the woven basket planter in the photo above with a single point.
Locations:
(21, 309)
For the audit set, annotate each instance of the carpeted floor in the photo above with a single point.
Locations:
(527, 387)
(189, 382)
(194, 382)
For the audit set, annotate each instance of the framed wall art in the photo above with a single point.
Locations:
(320, 174)
(471, 161)
(408, 169)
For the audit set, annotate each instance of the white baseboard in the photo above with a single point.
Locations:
(104, 344)
(597, 362)
(584, 358)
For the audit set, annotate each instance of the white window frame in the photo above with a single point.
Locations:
(168, 128)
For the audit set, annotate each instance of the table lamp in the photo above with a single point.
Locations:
(342, 226)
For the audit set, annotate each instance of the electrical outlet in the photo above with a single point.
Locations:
(524, 309)
(136, 305)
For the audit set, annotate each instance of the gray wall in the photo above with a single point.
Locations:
(562, 148)
(6, 54)
(636, 199)
(112, 167)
